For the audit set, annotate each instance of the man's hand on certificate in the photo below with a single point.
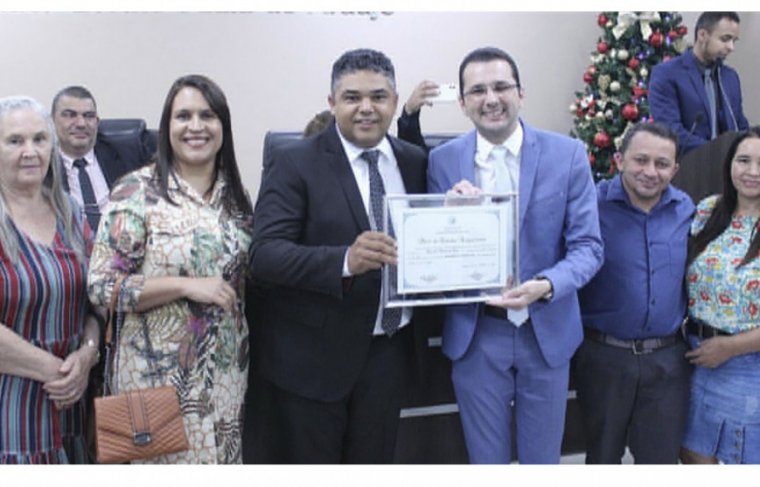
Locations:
(464, 188)
(370, 251)
(463, 193)
(521, 296)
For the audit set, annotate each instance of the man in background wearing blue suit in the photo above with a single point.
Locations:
(510, 357)
(696, 94)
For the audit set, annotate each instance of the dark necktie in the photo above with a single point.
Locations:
(91, 208)
(391, 317)
(711, 102)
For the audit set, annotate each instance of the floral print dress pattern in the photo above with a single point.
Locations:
(719, 294)
(200, 349)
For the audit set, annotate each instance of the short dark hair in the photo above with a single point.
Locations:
(657, 129)
(362, 60)
(484, 55)
(724, 209)
(317, 124)
(707, 20)
(235, 198)
(74, 91)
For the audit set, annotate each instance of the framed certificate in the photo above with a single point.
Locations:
(451, 248)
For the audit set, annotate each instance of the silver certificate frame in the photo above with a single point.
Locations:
(452, 249)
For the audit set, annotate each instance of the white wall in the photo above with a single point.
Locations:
(275, 67)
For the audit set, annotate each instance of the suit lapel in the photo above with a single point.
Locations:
(410, 174)
(108, 159)
(467, 158)
(529, 155)
(64, 176)
(336, 159)
(696, 79)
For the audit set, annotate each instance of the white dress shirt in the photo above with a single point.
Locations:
(97, 179)
(497, 170)
(393, 183)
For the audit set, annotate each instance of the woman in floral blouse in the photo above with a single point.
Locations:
(724, 308)
(179, 230)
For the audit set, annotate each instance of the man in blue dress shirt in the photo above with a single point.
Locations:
(631, 375)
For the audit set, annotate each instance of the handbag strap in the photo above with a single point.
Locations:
(115, 293)
(108, 341)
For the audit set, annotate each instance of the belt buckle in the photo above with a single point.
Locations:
(700, 330)
(637, 347)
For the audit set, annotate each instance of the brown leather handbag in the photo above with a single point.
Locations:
(138, 424)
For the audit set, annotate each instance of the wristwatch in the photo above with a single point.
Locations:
(548, 296)
(94, 345)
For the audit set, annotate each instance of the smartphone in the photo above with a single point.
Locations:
(447, 92)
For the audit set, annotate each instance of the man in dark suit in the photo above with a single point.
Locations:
(89, 158)
(328, 361)
(696, 94)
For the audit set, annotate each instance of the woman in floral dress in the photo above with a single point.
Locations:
(179, 229)
(723, 281)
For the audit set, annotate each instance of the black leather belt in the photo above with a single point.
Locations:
(637, 347)
(495, 312)
(702, 330)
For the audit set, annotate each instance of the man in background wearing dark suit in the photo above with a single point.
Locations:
(328, 362)
(92, 163)
(695, 94)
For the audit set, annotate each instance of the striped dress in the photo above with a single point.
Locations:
(42, 299)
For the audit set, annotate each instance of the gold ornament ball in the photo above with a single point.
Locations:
(615, 86)
(622, 55)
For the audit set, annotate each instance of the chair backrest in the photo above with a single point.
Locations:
(121, 127)
(126, 129)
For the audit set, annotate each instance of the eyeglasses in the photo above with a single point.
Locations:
(499, 88)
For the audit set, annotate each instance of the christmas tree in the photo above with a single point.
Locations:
(615, 95)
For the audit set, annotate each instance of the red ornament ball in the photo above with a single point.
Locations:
(638, 91)
(656, 39)
(591, 158)
(633, 63)
(602, 47)
(602, 140)
(588, 77)
(630, 112)
(602, 20)
(591, 69)
(682, 30)
(673, 35)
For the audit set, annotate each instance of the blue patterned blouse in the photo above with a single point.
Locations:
(720, 294)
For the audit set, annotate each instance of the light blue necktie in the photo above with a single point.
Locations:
(710, 90)
(505, 183)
